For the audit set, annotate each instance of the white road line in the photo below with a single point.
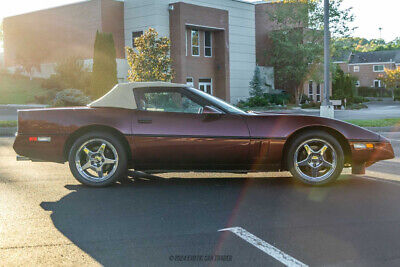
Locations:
(264, 246)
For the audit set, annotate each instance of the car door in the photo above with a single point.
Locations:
(171, 133)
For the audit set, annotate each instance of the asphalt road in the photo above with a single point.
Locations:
(47, 218)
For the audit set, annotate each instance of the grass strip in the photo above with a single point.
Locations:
(376, 123)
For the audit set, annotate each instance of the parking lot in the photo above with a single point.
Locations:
(47, 218)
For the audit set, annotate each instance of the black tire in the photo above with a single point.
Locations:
(122, 162)
(296, 145)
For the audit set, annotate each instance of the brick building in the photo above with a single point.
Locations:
(368, 66)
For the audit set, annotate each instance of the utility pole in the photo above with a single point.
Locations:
(326, 107)
(380, 32)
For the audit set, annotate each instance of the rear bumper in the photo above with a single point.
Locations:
(52, 151)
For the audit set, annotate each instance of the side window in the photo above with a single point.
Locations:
(166, 101)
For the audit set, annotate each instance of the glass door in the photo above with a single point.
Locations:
(205, 85)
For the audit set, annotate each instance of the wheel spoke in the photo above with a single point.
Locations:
(323, 150)
(327, 164)
(87, 151)
(102, 148)
(87, 165)
(109, 161)
(303, 162)
(308, 149)
(99, 171)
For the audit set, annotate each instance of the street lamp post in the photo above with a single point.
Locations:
(326, 107)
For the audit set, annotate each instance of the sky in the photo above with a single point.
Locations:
(370, 14)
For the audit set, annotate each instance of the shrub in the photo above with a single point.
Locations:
(265, 100)
(70, 97)
(45, 98)
(69, 73)
(356, 106)
(315, 105)
(374, 92)
(356, 100)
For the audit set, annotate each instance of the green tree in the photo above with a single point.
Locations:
(391, 79)
(256, 83)
(356, 44)
(104, 75)
(297, 41)
(345, 45)
(150, 60)
(343, 85)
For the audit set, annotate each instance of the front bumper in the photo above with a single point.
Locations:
(362, 158)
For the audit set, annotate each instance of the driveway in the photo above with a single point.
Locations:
(47, 218)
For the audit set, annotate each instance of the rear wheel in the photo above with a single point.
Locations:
(97, 159)
(315, 158)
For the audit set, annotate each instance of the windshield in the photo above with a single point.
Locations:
(218, 102)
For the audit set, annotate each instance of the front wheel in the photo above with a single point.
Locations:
(315, 158)
(97, 159)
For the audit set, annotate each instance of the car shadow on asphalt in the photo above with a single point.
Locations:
(119, 224)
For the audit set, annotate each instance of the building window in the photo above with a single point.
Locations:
(195, 43)
(207, 44)
(356, 68)
(310, 91)
(358, 83)
(189, 81)
(205, 85)
(379, 68)
(318, 94)
(134, 36)
(377, 84)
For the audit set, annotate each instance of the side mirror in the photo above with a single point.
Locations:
(211, 110)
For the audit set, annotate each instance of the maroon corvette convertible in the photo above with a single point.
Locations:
(164, 127)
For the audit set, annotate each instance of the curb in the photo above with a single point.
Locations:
(8, 131)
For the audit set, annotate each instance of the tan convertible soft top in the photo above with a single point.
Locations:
(121, 96)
